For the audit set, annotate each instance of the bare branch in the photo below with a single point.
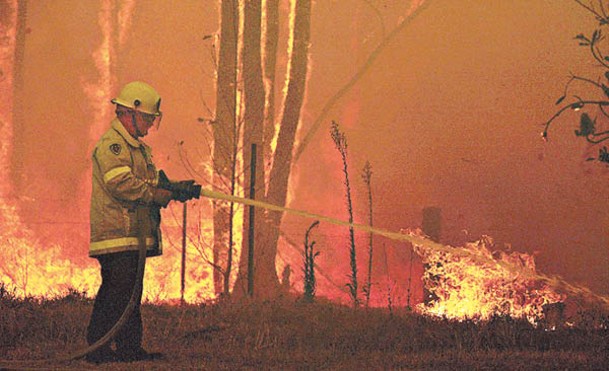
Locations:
(590, 138)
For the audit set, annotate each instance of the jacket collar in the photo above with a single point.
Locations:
(118, 126)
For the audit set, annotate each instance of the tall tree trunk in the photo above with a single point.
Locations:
(253, 133)
(8, 28)
(224, 139)
(270, 65)
(19, 148)
(280, 172)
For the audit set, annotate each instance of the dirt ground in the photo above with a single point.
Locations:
(290, 335)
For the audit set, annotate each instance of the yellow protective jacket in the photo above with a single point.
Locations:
(124, 177)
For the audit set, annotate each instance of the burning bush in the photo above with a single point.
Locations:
(473, 282)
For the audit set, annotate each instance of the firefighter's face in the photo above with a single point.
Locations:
(144, 121)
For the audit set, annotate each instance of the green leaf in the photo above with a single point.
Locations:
(562, 98)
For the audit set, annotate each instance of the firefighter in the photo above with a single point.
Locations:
(124, 179)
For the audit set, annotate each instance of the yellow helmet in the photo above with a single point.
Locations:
(140, 97)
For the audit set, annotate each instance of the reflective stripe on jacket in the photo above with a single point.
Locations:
(123, 179)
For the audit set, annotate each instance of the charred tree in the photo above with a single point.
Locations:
(224, 134)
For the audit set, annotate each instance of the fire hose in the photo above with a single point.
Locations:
(413, 238)
(417, 239)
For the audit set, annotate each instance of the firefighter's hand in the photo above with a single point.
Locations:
(185, 190)
(161, 197)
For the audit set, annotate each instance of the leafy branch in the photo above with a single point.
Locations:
(588, 127)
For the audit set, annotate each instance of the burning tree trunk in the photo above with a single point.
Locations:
(270, 64)
(266, 280)
(282, 161)
(224, 134)
(253, 134)
(114, 21)
(19, 150)
(8, 28)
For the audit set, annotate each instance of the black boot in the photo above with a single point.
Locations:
(102, 355)
(137, 355)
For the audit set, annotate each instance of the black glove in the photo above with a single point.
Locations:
(183, 190)
(161, 197)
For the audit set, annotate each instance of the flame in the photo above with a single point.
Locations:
(31, 269)
(162, 280)
(291, 26)
(467, 288)
(268, 87)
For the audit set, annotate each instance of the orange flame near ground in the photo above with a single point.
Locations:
(466, 288)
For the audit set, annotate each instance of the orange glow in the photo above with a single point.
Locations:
(466, 288)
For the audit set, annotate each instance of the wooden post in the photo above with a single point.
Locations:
(250, 241)
(183, 276)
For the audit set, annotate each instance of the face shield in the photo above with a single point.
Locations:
(152, 120)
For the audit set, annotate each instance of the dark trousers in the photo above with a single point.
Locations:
(118, 273)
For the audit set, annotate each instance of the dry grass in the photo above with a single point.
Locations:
(294, 335)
